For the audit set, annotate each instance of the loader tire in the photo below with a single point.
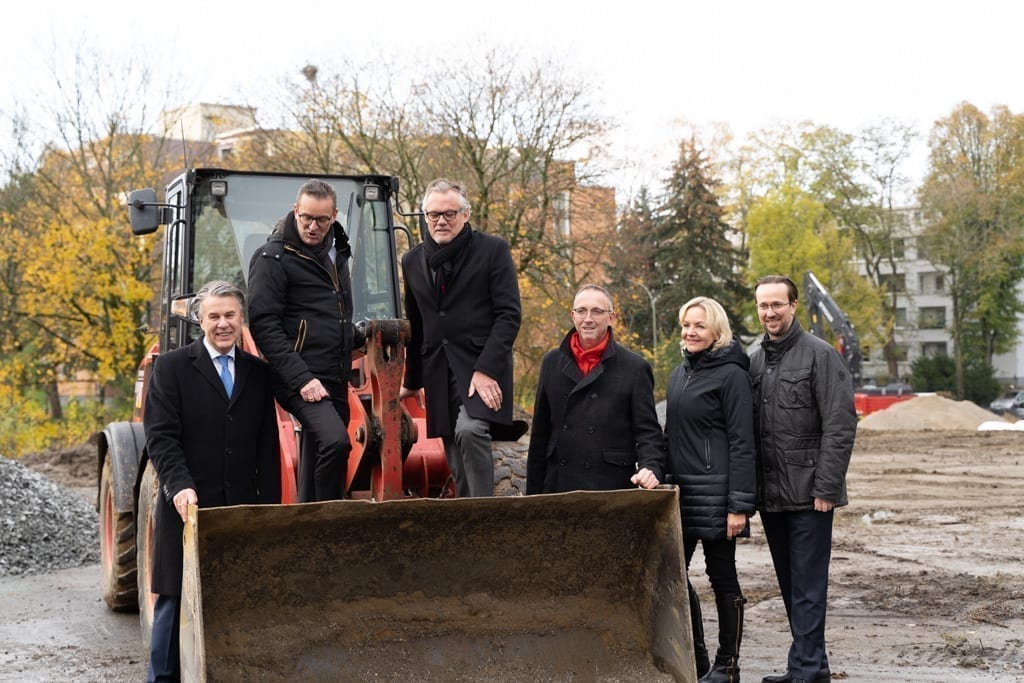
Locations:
(509, 468)
(148, 492)
(117, 548)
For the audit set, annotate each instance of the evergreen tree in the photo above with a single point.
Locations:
(631, 268)
(695, 256)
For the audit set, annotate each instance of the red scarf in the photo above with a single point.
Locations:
(587, 359)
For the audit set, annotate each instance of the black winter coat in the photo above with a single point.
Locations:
(593, 432)
(227, 450)
(471, 329)
(710, 427)
(804, 420)
(300, 310)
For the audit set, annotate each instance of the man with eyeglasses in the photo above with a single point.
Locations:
(462, 302)
(300, 315)
(595, 427)
(804, 429)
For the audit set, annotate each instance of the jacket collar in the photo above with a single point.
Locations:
(776, 348)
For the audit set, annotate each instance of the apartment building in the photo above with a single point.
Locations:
(924, 313)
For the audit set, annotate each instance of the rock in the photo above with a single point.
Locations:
(43, 526)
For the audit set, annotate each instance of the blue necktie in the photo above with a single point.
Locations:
(225, 374)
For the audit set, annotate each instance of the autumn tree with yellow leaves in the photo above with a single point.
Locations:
(77, 283)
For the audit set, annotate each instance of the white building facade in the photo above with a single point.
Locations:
(924, 314)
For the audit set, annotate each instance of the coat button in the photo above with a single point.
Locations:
(590, 430)
(594, 395)
(565, 428)
(440, 314)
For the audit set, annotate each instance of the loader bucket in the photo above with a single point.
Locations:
(583, 586)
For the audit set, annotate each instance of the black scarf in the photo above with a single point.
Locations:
(442, 258)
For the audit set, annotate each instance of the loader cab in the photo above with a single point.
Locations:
(216, 220)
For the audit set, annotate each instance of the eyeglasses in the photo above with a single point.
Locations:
(773, 306)
(595, 312)
(435, 216)
(323, 221)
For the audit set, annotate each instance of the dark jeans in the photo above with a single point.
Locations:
(801, 546)
(324, 447)
(164, 664)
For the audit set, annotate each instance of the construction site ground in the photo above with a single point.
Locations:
(927, 580)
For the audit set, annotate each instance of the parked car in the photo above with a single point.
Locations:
(1017, 409)
(1006, 401)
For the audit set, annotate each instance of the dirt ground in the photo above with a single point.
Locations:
(927, 578)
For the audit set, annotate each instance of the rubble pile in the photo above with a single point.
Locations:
(930, 412)
(43, 526)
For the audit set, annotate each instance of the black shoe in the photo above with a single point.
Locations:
(822, 676)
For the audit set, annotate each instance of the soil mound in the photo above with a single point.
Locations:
(932, 412)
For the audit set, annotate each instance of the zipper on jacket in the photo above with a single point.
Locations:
(332, 275)
(707, 452)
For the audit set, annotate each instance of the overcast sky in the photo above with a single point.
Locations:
(748, 64)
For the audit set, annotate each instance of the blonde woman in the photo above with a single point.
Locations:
(709, 423)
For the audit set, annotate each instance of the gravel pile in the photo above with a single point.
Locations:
(43, 526)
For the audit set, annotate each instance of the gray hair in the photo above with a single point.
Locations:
(216, 288)
(596, 288)
(445, 185)
(317, 189)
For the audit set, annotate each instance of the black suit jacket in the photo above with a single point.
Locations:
(227, 450)
(472, 329)
(592, 432)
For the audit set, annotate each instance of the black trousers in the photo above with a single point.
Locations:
(324, 445)
(801, 546)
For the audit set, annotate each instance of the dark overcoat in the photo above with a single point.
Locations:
(227, 450)
(592, 432)
(471, 329)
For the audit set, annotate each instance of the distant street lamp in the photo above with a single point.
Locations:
(654, 316)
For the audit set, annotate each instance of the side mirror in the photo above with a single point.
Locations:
(143, 211)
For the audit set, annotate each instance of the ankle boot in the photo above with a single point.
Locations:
(730, 635)
(700, 650)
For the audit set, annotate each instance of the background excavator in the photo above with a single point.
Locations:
(403, 581)
(822, 308)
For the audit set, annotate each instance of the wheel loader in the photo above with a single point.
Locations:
(403, 581)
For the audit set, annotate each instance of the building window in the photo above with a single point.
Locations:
(933, 349)
(932, 283)
(900, 317)
(898, 247)
(931, 318)
(894, 284)
(561, 211)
